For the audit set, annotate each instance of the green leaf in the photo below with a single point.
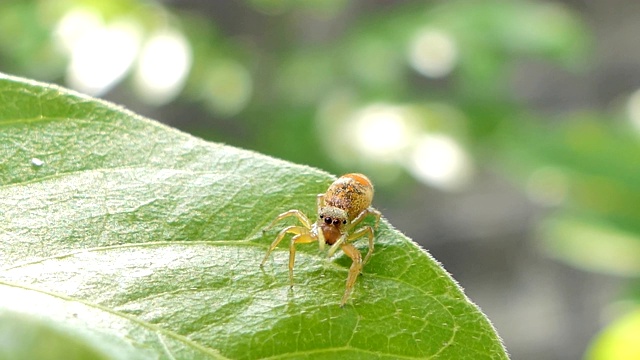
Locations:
(131, 236)
(26, 337)
(619, 341)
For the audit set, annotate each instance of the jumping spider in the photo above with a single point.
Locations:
(345, 204)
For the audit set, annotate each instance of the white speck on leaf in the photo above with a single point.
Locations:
(37, 162)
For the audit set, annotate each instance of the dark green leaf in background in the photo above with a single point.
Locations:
(121, 238)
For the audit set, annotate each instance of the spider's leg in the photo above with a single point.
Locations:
(365, 230)
(302, 238)
(336, 245)
(354, 270)
(319, 201)
(297, 213)
(363, 214)
(296, 230)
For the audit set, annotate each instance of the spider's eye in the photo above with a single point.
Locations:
(336, 222)
(321, 216)
(344, 221)
(327, 220)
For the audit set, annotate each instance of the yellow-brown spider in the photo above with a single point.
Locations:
(345, 204)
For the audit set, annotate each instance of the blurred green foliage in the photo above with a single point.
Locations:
(287, 78)
(266, 81)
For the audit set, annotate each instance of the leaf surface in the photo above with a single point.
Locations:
(126, 235)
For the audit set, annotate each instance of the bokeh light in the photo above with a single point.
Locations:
(103, 56)
(438, 160)
(381, 131)
(227, 88)
(163, 66)
(433, 53)
(74, 25)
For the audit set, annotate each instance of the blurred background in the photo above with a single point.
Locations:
(503, 136)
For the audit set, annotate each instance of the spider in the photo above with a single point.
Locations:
(345, 204)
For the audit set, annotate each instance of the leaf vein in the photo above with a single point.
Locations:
(157, 329)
